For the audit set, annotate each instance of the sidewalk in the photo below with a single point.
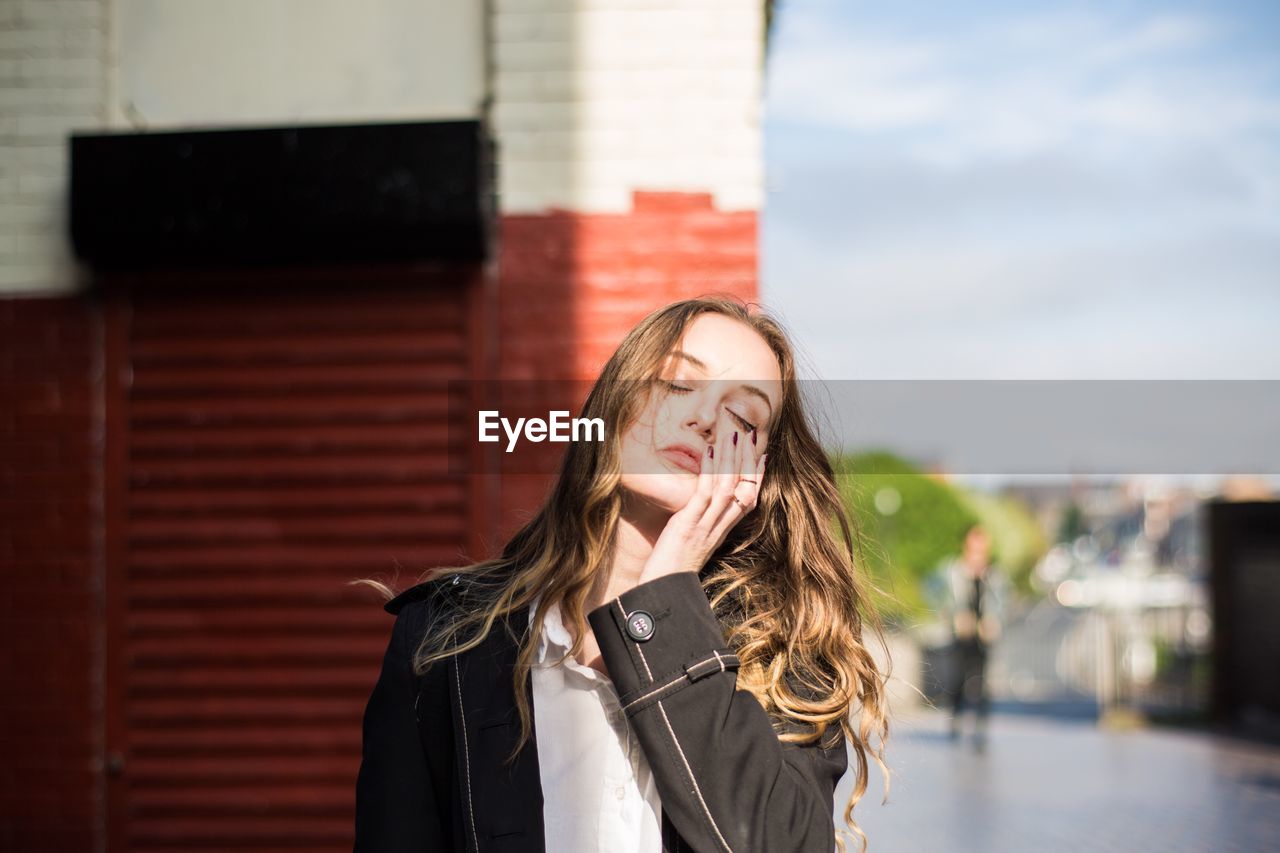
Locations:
(1044, 785)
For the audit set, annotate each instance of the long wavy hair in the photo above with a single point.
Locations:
(788, 591)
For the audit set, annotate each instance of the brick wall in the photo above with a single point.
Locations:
(50, 598)
(573, 284)
(595, 99)
(631, 175)
(51, 82)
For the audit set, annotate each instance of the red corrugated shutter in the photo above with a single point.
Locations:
(269, 440)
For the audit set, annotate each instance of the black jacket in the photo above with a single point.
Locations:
(432, 776)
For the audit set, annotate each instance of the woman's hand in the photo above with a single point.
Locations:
(728, 486)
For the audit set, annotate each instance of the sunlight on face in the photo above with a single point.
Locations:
(722, 377)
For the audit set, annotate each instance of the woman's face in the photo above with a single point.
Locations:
(722, 377)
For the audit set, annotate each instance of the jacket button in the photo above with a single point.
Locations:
(640, 626)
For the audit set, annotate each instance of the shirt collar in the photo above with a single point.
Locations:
(555, 636)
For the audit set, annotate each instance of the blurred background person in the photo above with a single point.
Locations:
(973, 596)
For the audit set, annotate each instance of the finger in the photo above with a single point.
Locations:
(723, 476)
(701, 496)
(747, 465)
(741, 452)
(757, 466)
(726, 462)
(708, 469)
(743, 496)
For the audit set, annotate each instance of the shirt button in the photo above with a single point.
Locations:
(620, 792)
(640, 626)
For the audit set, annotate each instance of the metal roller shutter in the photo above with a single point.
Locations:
(269, 439)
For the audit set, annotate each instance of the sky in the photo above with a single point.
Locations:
(988, 190)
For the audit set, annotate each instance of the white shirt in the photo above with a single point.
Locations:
(598, 794)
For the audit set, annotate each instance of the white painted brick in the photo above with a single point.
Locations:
(19, 247)
(639, 143)
(37, 231)
(15, 161)
(60, 68)
(539, 56)
(14, 215)
(631, 112)
(611, 5)
(33, 155)
(642, 26)
(520, 27)
(51, 81)
(31, 249)
(584, 83)
(41, 186)
(16, 249)
(43, 101)
(630, 94)
(37, 125)
(37, 13)
(51, 42)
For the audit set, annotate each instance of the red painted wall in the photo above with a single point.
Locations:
(572, 285)
(49, 595)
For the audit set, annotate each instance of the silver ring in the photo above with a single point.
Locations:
(738, 502)
(745, 480)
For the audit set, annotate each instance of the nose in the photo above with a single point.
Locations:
(704, 418)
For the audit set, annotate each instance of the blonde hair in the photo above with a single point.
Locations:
(785, 588)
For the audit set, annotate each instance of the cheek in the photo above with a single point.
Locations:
(669, 491)
(636, 445)
(645, 474)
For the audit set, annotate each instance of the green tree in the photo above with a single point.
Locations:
(907, 523)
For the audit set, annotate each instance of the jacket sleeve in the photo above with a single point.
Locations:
(725, 779)
(395, 806)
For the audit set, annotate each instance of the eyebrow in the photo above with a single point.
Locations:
(750, 389)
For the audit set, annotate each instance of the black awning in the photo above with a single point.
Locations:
(286, 195)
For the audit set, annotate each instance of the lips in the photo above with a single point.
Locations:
(684, 456)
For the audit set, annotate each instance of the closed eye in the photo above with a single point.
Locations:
(680, 389)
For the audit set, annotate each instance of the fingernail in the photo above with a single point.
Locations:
(754, 437)
(735, 439)
(711, 451)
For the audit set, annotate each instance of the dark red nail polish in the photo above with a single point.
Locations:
(755, 436)
(711, 451)
(735, 439)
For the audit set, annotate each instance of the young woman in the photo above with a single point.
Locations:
(668, 657)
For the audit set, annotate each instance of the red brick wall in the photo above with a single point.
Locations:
(572, 285)
(49, 592)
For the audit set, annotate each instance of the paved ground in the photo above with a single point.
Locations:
(1044, 785)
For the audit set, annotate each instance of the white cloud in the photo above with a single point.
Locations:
(1014, 87)
(1044, 195)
